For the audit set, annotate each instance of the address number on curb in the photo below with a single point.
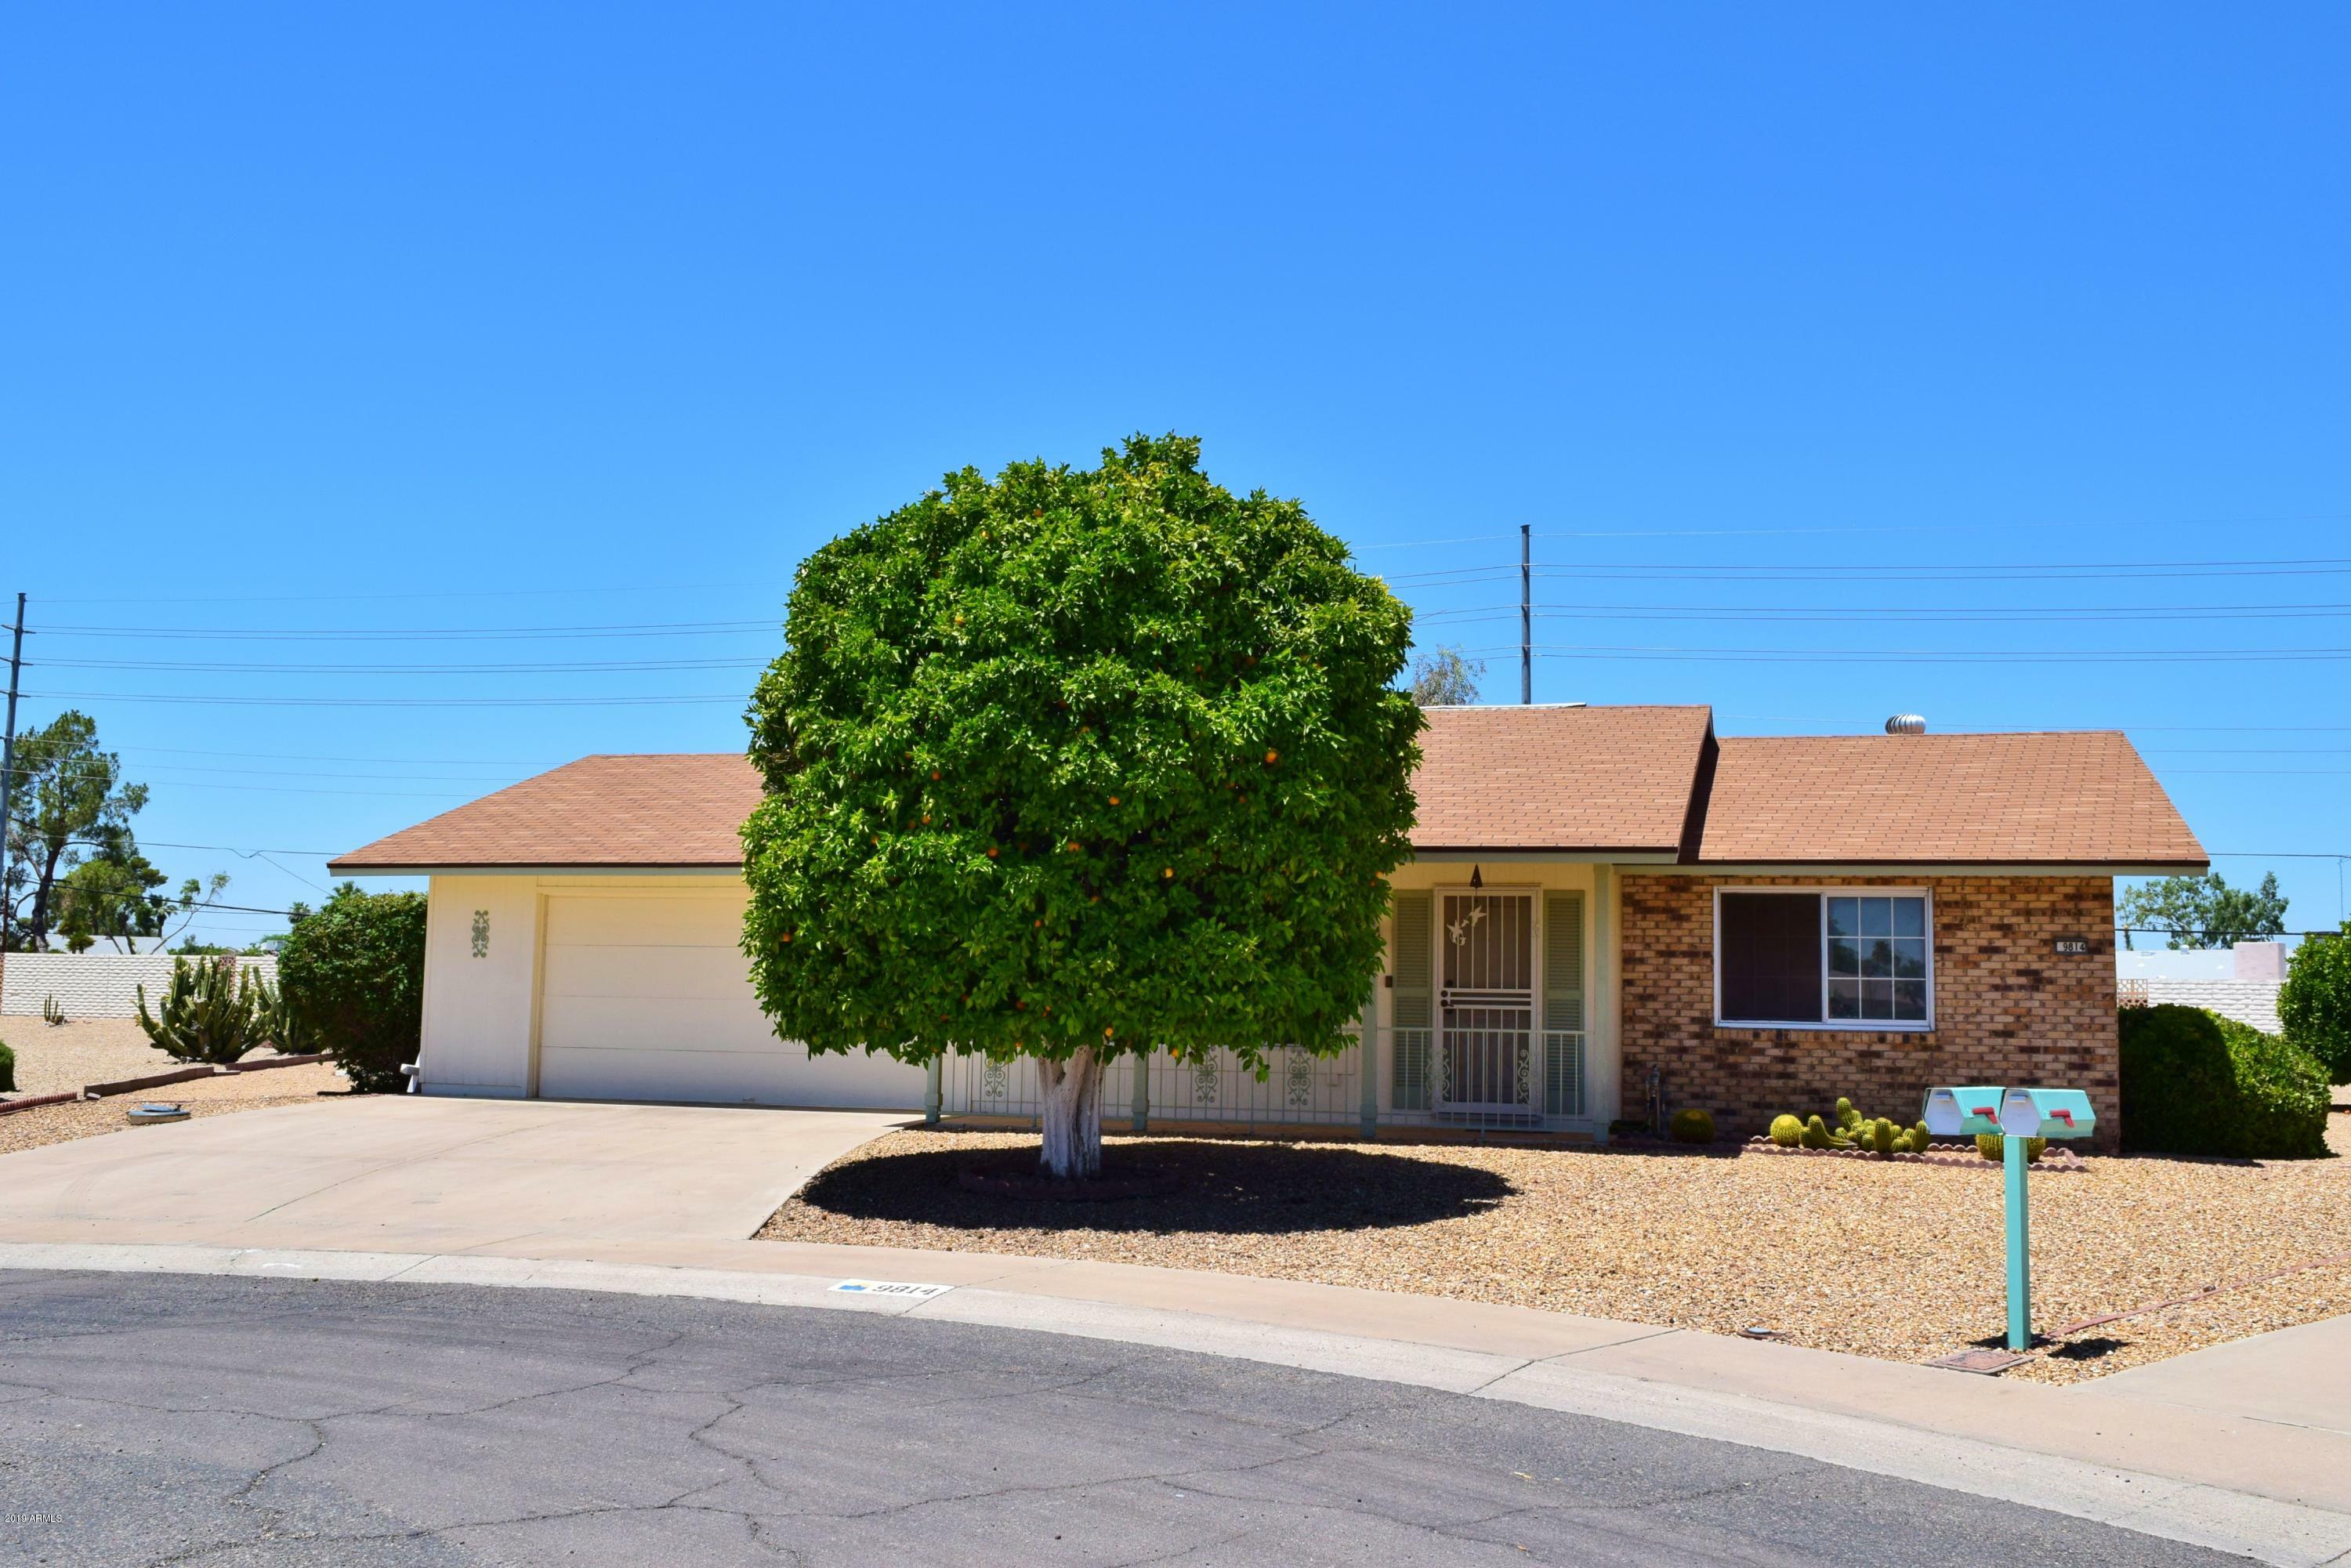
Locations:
(896, 1290)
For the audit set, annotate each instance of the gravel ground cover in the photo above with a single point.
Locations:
(1888, 1260)
(51, 1059)
(202, 1096)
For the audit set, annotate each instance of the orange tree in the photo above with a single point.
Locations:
(1074, 763)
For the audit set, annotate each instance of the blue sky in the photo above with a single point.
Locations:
(1808, 340)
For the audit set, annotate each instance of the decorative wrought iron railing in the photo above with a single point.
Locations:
(1298, 1089)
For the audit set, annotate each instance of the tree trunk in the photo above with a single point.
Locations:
(1070, 1114)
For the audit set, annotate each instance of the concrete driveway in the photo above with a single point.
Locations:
(420, 1173)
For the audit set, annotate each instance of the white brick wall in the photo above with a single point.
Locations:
(2247, 1001)
(94, 985)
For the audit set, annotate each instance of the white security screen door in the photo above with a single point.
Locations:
(1486, 947)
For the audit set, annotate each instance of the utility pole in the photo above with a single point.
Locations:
(8, 780)
(1526, 613)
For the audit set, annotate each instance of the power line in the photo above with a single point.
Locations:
(421, 633)
(322, 598)
(2088, 572)
(1669, 653)
(581, 666)
(307, 756)
(209, 700)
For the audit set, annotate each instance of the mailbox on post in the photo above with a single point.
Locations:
(1961, 1112)
(2046, 1113)
(2015, 1114)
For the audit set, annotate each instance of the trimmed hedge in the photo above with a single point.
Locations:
(2197, 1084)
(351, 978)
(2314, 1004)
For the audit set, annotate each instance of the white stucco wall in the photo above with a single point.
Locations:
(520, 1000)
(95, 985)
(477, 1010)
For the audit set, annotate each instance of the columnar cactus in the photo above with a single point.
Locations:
(212, 1011)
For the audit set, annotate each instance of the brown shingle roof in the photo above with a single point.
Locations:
(1492, 780)
(1557, 778)
(644, 810)
(2078, 797)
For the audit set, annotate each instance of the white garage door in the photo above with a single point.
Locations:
(649, 998)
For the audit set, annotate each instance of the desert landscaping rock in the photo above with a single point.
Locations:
(53, 1059)
(204, 1097)
(1890, 1259)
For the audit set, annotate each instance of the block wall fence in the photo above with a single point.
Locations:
(94, 985)
(2008, 1008)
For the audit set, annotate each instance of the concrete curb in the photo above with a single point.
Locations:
(2268, 1529)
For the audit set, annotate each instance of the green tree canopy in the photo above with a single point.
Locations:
(110, 895)
(1444, 677)
(2314, 1004)
(1070, 763)
(2204, 911)
(68, 800)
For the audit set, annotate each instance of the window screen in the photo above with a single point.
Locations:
(1770, 955)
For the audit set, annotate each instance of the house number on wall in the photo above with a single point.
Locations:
(481, 934)
(2073, 946)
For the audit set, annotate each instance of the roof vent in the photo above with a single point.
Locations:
(1906, 723)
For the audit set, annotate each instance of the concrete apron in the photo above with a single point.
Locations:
(2235, 1483)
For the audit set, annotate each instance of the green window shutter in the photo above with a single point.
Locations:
(1409, 1013)
(1563, 962)
(1410, 960)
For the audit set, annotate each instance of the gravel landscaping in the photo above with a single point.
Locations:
(41, 1124)
(51, 1059)
(1884, 1258)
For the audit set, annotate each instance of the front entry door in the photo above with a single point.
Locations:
(1486, 946)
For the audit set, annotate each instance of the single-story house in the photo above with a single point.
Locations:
(1605, 907)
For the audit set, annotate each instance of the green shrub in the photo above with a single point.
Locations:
(351, 976)
(1994, 1147)
(2314, 1004)
(7, 1069)
(2197, 1084)
(214, 1012)
(1693, 1126)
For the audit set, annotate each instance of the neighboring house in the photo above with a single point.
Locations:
(2240, 983)
(1597, 894)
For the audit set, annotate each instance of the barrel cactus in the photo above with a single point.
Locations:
(1787, 1131)
(1693, 1126)
(1989, 1146)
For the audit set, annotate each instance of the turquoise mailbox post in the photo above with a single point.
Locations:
(2016, 1114)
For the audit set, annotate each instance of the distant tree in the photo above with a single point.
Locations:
(2314, 1004)
(69, 800)
(1444, 677)
(1070, 765)
(2204, 911)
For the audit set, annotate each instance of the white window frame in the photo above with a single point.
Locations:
(1823, 892)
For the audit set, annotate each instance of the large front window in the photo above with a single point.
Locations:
(1824, 957)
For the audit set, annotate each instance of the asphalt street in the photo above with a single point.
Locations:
(238, 1423)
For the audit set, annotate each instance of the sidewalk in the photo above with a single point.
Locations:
(2192, 1457)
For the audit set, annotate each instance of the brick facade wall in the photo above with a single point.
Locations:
(2008, 1009)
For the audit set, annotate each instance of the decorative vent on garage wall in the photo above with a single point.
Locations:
(481, 934)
